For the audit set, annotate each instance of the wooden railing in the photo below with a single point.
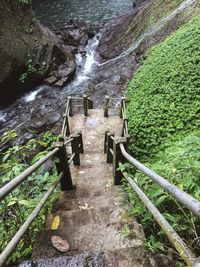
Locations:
(64, 176)
(116, 150)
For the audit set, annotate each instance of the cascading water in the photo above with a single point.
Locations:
(85, 65)
(83, 71)
(84, 74)
(32, 95)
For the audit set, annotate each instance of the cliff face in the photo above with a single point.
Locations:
(28, 51)
(145, 26)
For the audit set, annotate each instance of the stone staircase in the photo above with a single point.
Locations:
(93, 217)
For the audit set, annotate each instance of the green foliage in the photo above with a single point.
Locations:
(180, 164)
(24, 1)
(20, 203)
(163, 111)
(165, 92)
(30, 69)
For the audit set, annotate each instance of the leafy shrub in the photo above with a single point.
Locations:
(163, 111)
(165, 92)
(18, 205)
(179, 163)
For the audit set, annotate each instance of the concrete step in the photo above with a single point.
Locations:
(93, 128)
(93, 159)
(90, 237)
(90, 215)
(71, 201)
(128, 257)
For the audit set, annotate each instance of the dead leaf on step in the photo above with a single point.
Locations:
(59, 243)
(55, 223)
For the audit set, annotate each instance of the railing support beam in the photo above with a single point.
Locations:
(70, 106)
(85, 105)
(62, 166)
(110, 146)
(118, 158)
(81, 149)
(105, 141)
(123, 100)
(90, 104)
(107, 98)
(67, 130)
(75, 149)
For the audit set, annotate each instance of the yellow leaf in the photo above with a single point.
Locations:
(55, 223)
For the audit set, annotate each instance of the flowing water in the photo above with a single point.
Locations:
(56, 13)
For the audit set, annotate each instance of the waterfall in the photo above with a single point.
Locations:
(32, 95)
(89, 62)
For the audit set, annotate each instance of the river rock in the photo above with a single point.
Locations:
(55, 117)
(62, 82)
(50, 80)
(62, 76)
(77, 33)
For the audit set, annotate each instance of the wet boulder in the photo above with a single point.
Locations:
(77, 33)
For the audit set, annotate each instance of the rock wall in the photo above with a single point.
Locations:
(28, 51)
(145, 26)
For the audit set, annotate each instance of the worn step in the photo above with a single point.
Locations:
(89, 215)
(94, 126)
(93, 159)
(127, 257)
(78, 260)
(91, 237)
(70, 201)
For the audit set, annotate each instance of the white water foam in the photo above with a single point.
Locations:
(2, 116)
(89, 62)
(79, 59)
(90, 56)
(31, 95)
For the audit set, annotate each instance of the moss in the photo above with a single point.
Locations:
(165, 92)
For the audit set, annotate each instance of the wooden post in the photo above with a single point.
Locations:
(105, 141)
(70, 106)
(85, 105)
(90, 104)
(107, 98)
(110, 146)
(81, 149)
(117, 158)
(122, 107)
(76, 149)
(62, 166)
(67, 130)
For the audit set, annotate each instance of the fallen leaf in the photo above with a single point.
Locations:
(55, 223)
(59, 243)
